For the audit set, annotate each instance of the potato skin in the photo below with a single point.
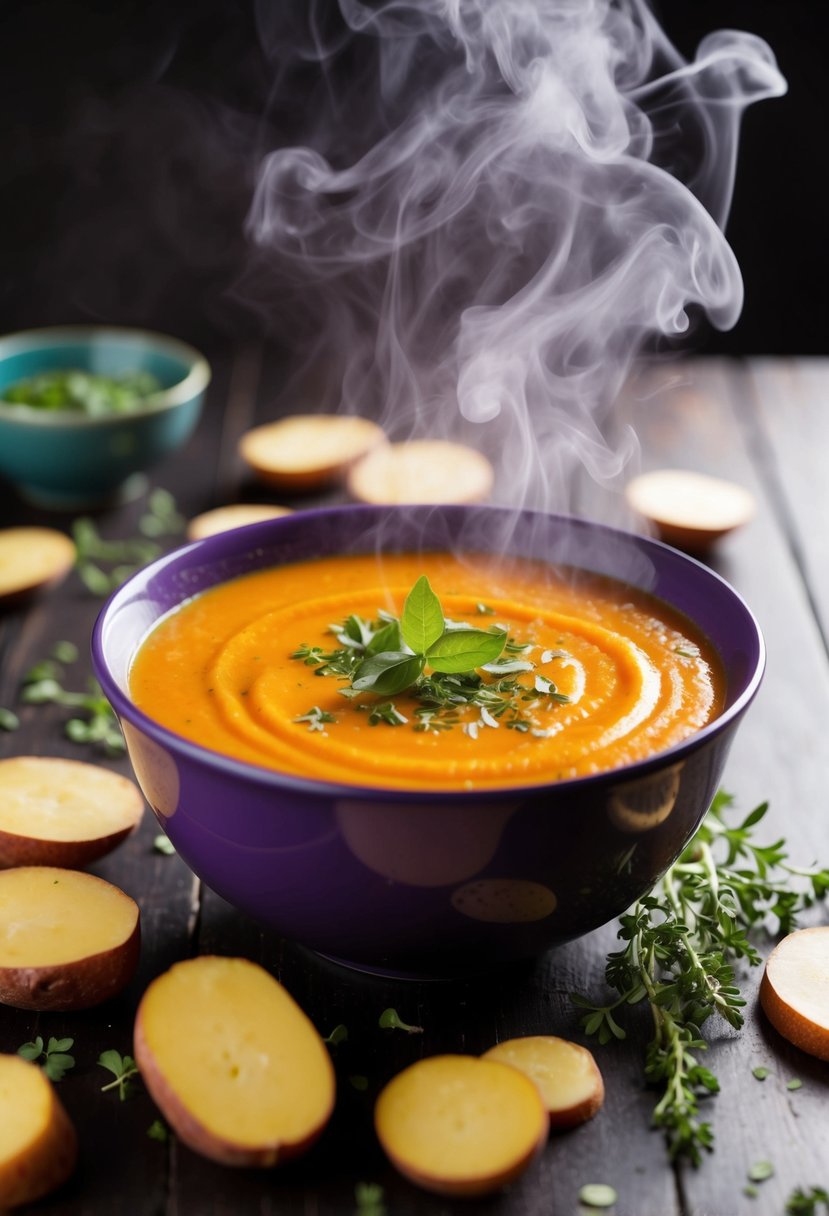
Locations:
(467, 1188)
(193, 1133)
(79, 984)
(69, 854)
(46, 1164)
(793, 1028)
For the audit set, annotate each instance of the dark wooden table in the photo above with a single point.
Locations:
(766, 425)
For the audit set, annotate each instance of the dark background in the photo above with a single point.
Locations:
(132, 132)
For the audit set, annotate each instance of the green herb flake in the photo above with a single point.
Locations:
(8, 719)
(65, 652)
(760, 1072)
(368, 1197)
(158, 1131)
(807, 1203)
(53, 1058)
(760, 1171)
(390, 1020)
(597, 1195)
(794, 1084)
(338, 1035)
(750, 1191)
(163, 844)
(123, 1068)
(316, 718)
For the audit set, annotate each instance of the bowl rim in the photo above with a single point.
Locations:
(262, 775)
(194, 382)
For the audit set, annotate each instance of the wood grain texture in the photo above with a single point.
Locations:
(760, 426)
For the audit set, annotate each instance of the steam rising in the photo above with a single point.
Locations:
(482, 227)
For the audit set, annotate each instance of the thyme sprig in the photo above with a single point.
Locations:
(442, 665)
(682, 942)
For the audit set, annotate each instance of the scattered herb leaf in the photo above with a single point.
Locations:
(53, 1059)
(760, 1171)
(794, 1084)
(597, 1195)
(338, 1035)
(368, 1197)
(805, 1203)
(390, 1020)
(8, 719)
(163, 844)
(158, 1131)
(316, 718)
(761, 1072)
(124, 1070)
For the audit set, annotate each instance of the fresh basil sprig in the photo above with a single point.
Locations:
(428, 642)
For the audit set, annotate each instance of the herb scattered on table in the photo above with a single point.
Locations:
(338, 1035)
(8, 719)
(359, 1083)
(103, 565)
(681, 944)
(760, 1171)
(163, 844)
(807, 1203)
(597, 1195)
(53, 1058)
(99, 726)
(761, 1072)
(368, 1197)
(83, 392)
(794, 1084)
(158, 1131)
(391, 1020)
(440, 665)
(123, 1068)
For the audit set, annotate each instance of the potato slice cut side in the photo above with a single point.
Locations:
(794, 992)
(235, 1066)
(32, 558)
(38, 1145)
(422, 471)
(234, 515)
(63, 812)
(68, 940)
(691, 510)
(306, 451)
(566, 1074)
(460, 1126)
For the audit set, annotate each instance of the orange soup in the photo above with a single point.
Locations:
(593, 674)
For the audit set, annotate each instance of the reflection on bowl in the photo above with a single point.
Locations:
(66, 459)
(410, 882)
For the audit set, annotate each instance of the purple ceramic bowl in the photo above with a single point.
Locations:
(413, 883)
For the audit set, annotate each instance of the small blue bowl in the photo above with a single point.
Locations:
(66, 460)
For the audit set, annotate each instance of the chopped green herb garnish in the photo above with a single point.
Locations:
(163, 844)
(597, 1195)
(338, 1035)
(41, 686)
(681, 944)
(316, 718)
(368, 1197)
(805, 1203)
(760, 1072)
(750, 1191)
(123, 1068)
(760, 1171)
(388, 714)
(8, 719)
(158, 1131)
(794, 1084)
(53, 1059)
(390, 1020)
(83, 392)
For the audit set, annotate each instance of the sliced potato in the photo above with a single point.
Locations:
(38, 1145)
(234, 515)
(794, 992)
(566, 1074)
(32, 558)
(68, 940)
(690, 510)
(421, 471)
(306, 451)
(460, 1126)
(63, 812)
(235, 1066)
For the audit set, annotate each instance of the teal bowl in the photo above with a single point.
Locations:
(64, 459)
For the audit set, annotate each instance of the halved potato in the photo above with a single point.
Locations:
(38, 1145)
(794, 992)
(306, 451)
(421, 471)
(68, 940)
(32, 558)
(234, 515)
(566, 1074)
(63, 812)
(235, 1066)
(457, 1125)
(691, 510)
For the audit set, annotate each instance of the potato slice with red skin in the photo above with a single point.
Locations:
(68, 940)
(304, 452)
(794, 992)
(566, 1074)
(30, 559)
(233, 1063)
(421, 471)
(457, 1125)
(690, 510)
(57, 812)
(38, 1145)
(234, 515)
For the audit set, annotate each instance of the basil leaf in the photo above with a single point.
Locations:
(387, 638)
(388, 672)
(465, 649)
(422, 621)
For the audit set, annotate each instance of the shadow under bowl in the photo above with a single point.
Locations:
(68, 460)
(428, 884)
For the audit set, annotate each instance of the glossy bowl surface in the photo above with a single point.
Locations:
(407, 882)
(67, 460)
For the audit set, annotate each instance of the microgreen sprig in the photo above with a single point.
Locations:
(99, 725)
(390, 1020)
(123, 1068)
(681, 944)
(53, 1058)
